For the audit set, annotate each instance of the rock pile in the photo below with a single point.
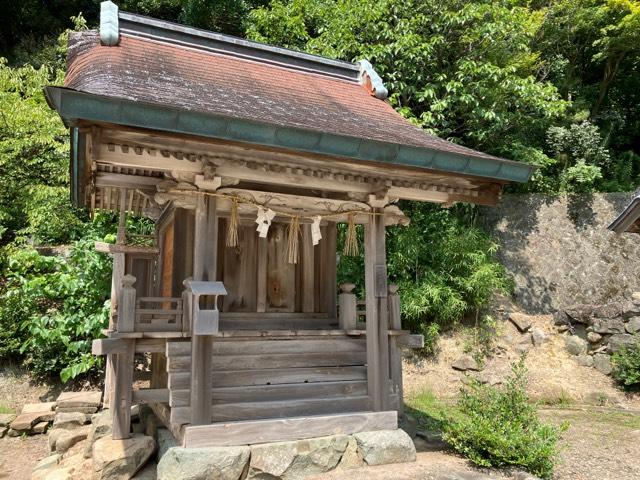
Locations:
(36, 418)
(83, 449)
(594, 332)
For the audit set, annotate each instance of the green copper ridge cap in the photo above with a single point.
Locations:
(73, 105)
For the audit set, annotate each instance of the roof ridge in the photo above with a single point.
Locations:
(143, 26)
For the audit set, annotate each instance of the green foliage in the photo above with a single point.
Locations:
(55, 306)
(444, 266)
(626, 366)
(462, 70)
(499, 427)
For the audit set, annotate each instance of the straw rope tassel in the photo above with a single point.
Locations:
(351, 240)
(293, 240)
(232, 231)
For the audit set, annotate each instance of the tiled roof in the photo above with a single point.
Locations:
(166, 73)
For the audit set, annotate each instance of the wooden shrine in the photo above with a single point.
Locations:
(248, 157)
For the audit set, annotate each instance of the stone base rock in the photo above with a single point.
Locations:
(38, 407)
(575, 345)
(24, 422)
(61, 440)
(466, 362)
(602, 363)
(221, 463)
(293, 460)
(385, 446)
(85, 402)
(521, 321)
(121, 459)
(69, 420)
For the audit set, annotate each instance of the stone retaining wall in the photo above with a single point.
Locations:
(559, 250)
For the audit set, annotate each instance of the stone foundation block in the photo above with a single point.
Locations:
(385, 446)
(221, 463)
(121, 459)
(297, 459)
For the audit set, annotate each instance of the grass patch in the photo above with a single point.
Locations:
(430, 412)
(4, 409)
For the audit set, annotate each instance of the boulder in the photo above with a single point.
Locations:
(220, 463)
(38, 407)
(585, 360)
(607, 325)
(165, 440)
(580, 314)
(40, 427)
(633, 325)
(635, 296)
(67, 400)
(594, 337)
(148, 472)
(121, 459)
(521, 321)
(616, 342)
(538, 337)
(560, 318)
(6, 419)
(575, 345)
(25, 421)
(630, 309)
(69, 421)
(609, 310)
(3, 431)
(61, 440)
(409, 424)
(100, 427)
(602, 363)
(385, 446)
(466, 362)
(351, 458)
(297, 459)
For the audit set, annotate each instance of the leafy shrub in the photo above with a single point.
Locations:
(626, 365)
(50, 217)
(55, 306)
(445, 267)
(499, 427)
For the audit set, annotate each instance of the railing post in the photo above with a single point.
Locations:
(348, 304)
(127, 305)
(395, 353)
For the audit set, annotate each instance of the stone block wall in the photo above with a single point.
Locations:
(559, 251)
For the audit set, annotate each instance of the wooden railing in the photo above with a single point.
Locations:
(147, 314)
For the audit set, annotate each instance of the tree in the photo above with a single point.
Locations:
(462, 70)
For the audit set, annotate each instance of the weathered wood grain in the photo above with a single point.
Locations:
(276, 430)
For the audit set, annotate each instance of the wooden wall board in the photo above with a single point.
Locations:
(296, 391)
(280, 273)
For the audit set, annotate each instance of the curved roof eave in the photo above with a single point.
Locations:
(73, 105)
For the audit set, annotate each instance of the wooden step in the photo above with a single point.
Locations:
(287, 429)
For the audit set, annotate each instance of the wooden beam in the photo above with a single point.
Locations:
(111, 248)
(411, 341)
(122, 393)
(329, 270)
(151, 395)
(106, 346)
(286, 429)
(131, 182)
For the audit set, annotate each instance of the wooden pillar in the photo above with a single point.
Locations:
(348, 317)
(329, 269)
(122, 371)
(307, 270)
(395, 353)
(377, 314)
(116, 283)
(122, 392)
(204, 268)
